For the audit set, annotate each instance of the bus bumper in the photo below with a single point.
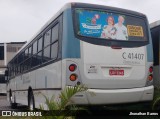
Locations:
(117, 96)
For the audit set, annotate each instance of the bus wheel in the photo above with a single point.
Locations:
(31, 103)
(12, 103)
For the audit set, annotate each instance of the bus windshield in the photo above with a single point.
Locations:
(109, 25)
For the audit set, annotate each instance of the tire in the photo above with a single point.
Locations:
(12, 103)
(31, 103)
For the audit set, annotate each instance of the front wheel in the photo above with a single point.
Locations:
(12, 102)
(31, 103)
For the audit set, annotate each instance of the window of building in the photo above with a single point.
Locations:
(1, 52)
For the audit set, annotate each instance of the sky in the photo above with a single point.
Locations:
(21, 19)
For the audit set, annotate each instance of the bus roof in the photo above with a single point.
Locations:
(68, 5)
(154, 24)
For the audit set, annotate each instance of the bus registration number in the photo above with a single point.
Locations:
(116, 72)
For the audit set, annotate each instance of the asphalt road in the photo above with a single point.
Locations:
(5, 105)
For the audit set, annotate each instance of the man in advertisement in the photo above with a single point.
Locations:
(121, 32)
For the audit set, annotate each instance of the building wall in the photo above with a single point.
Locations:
(10, 49)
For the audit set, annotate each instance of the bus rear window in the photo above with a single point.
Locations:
(110, 26)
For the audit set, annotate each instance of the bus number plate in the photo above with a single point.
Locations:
(116, 72)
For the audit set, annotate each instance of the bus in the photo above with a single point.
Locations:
(155, 33)
(107, 49)
(2, 84)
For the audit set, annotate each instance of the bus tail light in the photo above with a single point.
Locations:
(73, 72)
(151, 69)
(150, 77)
(72, 67)
(73, 77)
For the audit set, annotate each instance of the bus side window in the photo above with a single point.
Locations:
(34, 56)
(39, 54)
(35, 47)
(47, 38)
(47, 41)
(54, 42)
(54, 50)
(30, 51)
(55, 33)
(26, 54)
(40, 43)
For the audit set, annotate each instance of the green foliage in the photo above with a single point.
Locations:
(64, 107)
(156, 101)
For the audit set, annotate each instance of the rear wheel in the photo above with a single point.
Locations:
(31, 103)
(12, 101)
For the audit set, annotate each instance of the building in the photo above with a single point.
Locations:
(7, 52)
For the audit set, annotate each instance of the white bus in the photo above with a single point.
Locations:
(3, 87)
(155, 33)
(107, 49)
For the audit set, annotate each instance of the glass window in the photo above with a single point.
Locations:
(30, 51)
(47, 38)
(39, 58)
(1, 52)
(109, 25)
(55, 33)
(26, 54)
(20, 58)
(35, 47)
(22, 67)
(18, 69)
(34, 61)
(40, 43)
(46, 54)
(54, 50)
(2, 79)
(27, 64)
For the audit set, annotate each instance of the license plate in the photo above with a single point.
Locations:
(116, 72)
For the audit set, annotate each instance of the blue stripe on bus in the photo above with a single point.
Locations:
(70, 44)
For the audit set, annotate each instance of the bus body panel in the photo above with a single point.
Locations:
(44, 80)
(102, 59)
(99, 97)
